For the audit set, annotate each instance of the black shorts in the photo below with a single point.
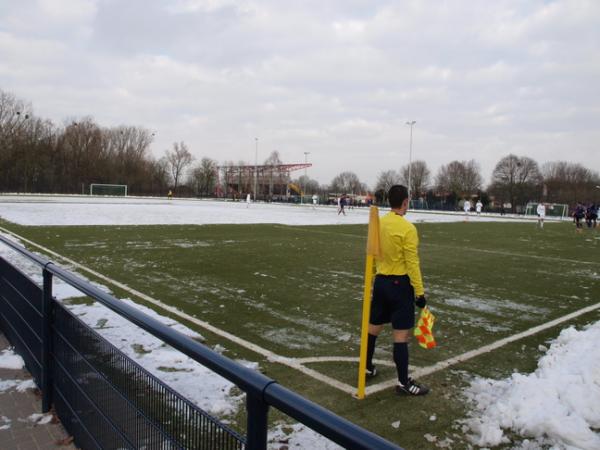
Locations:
(393, 301)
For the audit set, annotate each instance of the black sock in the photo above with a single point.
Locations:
(401, 360)
(370, 350)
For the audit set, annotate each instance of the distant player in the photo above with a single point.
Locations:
(541, 213)
(591, 215)
(315, 200)
(341, 203)
(248, 200)
(578, 215)
(478, 207)
(467, 208)
(170, 195)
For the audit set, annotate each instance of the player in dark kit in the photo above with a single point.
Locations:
(397, 281)
(578, 215)
(591, 215)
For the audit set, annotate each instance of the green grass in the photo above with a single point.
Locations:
(297, 291)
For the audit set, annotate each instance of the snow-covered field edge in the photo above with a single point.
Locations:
(214, 394)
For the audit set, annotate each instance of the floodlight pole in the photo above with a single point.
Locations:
(411, 123)
(255, 166)
(305, 161)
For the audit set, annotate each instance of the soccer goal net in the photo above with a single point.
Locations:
(552, 209)
(108, 189)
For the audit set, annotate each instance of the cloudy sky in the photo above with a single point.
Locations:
(338, 79)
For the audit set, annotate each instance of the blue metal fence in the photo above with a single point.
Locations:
(107, 401)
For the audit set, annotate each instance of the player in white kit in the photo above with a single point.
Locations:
(478, 207)
(541, 212)
(467, 208)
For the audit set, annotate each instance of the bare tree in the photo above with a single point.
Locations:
(566, 182)
(37, 156)
(460, 178)
(178, 159)
(419, 177)
(385, 180)
(204, 177)
(346, 183)
(516, 179)
(83, 153)
(274, 159)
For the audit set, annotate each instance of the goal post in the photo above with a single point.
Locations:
(552, 209)
(118, 190)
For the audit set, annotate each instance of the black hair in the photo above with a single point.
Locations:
(396, 195)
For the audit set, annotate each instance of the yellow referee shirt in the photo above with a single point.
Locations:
(399, 248)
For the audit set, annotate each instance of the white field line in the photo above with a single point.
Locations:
(309, 230)
(318, 359)
(450, 247)
(485, 349)
(516, 255)
(271, 356)
(297, 363)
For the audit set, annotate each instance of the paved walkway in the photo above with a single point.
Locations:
(20, 429)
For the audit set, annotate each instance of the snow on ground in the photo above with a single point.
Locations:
(168, 364)
(216, 395)
(556, 406)
(85, 210)
(19, 385)
(10, 360)
(298, 436)
(4, 423)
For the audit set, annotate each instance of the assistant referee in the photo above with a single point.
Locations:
(397, 281)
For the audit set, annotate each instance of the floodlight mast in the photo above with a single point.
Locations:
(410, 123)
(301, 187)
(255, 166)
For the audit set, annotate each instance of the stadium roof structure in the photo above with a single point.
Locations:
(270, 167)
(271, 179)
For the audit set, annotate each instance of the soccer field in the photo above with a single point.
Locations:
(292, 297)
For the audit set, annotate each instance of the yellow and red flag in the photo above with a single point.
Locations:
(424, 329)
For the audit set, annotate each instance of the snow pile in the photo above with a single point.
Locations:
(171, 366)
(558, 404)
(39, 419)
(10, 360)
(4, 423)
(19, 385)
(298, 436)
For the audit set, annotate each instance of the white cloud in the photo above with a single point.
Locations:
(338, 79)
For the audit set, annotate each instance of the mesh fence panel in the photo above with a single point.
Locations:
(121, 404)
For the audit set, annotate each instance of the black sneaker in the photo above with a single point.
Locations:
(411, 388)
(372, 372)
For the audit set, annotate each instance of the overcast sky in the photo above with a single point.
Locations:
(338, 79)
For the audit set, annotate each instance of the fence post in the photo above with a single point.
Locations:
(46, 341)
(256, 428)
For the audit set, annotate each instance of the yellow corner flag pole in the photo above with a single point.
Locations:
(373, 251)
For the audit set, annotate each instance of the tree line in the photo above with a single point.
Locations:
(516, 180)
(37, 155)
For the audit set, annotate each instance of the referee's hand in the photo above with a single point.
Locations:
(420, 301)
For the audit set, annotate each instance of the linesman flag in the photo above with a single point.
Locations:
(424, 329)
(373, 251)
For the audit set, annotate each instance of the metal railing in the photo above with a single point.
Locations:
(106, 400)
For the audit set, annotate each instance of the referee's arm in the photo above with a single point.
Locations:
(411, 257)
